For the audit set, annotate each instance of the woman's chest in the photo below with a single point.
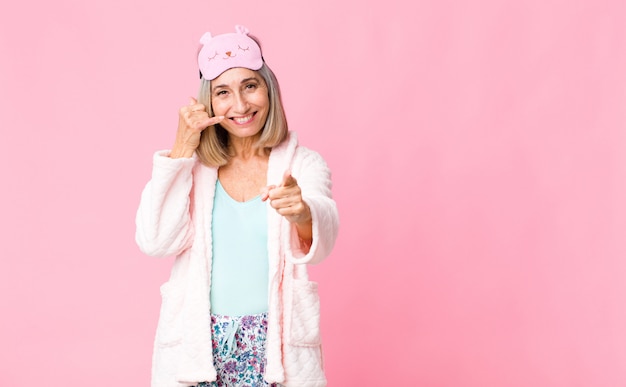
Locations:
(243, 183)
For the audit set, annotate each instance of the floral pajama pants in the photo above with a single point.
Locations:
(239, 351)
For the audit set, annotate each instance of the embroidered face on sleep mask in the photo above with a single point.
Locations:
(226, 51)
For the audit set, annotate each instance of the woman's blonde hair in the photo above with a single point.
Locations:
(213, 148)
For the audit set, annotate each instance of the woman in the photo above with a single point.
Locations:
(243, 208)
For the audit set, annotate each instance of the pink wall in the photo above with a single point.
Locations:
(479, 159)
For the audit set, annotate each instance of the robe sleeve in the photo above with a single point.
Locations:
(314, 179)
(163, 222)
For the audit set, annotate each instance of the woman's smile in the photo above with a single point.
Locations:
(243, 120)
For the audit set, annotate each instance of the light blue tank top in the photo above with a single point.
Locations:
(239, 273)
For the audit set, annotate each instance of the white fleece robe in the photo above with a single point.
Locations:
(174, 219)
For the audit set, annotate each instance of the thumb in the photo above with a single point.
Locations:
(288, 180)
(265, 192)
(192, 101)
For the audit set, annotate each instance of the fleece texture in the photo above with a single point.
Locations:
(174, 219)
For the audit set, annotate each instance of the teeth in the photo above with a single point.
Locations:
(242, 120)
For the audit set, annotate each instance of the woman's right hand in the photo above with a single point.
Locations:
(192, 120)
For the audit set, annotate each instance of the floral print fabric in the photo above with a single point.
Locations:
(239, 351)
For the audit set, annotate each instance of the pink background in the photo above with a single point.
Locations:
(479, 159)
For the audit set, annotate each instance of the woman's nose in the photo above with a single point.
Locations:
(241, 103)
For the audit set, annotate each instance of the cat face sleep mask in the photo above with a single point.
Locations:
(226, 51)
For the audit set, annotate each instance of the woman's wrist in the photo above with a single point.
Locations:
(305, 231)
(181, 152)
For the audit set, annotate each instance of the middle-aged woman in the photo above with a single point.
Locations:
(243, 208)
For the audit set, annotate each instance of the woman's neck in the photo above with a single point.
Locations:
(245, 148)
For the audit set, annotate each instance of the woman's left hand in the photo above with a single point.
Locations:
(286, 199)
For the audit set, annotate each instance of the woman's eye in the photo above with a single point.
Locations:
(221, 92)
(250, 86)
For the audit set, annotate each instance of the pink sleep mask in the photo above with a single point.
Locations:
(222, 52)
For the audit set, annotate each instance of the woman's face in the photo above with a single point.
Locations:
(241, 96)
